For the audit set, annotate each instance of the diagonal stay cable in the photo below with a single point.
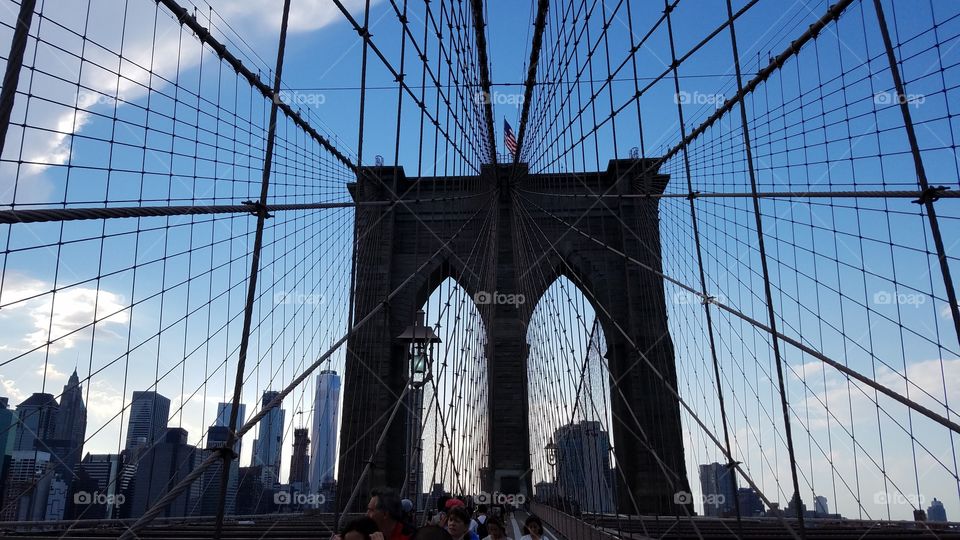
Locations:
(479, 25)
(42, 215)
(541, 22)
(666, 384)
(366, 36)
(187, 19)
(645, 439)
(369, 462)
(940, 419)
(188, 480)
(227, 454)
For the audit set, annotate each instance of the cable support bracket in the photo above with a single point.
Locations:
(257, 209)
(931, 194)
(225, 452)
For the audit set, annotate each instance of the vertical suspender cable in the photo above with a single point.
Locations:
(929, 195)
(479, 25)
(703, 279)
(260, 208)
(768, 294)
(11, 77)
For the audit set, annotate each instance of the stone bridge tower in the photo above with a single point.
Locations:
(628, 299)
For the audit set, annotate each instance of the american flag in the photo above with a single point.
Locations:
(508, 137)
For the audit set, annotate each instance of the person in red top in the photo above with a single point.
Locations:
(386, 510)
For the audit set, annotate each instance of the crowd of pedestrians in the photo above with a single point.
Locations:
(391, 518)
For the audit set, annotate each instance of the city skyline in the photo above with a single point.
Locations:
(719, 263)
(72, 483)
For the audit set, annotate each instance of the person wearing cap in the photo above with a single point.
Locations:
(409, 512)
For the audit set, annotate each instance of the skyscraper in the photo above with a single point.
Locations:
(8, 427)
(8, 432)
(148, 419)
(323, 450)
(751, 505)
(936, 511)
(209, 503)
(300, 462)
(252, 497)
(27, 486)
(716, 482)
(72, 418)
(36, 419)
(170, 461)
(584, 474)
(267, 446)
(223, 419)
(56, 498)
(820, 507)
(97, 475)
(70, 429)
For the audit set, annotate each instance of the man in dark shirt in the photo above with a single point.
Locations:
(386, 510)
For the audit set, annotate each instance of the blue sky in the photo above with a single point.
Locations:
(830, 260)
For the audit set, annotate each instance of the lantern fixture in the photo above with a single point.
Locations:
(420, 339)
(551, 449)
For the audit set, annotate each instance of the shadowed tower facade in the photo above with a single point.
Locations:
(628, 300)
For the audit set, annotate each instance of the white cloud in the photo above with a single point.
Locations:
(305, 15)
(925, 375)
(809, 369)
(49, 371)
(104, 402)
(57, 315)
(150, 55)
(147, 55)
(10, 390)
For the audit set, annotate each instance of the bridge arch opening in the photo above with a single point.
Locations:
(453, 409)
(571, 427)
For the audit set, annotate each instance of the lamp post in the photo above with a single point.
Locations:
(419, 339)
(551, 450)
